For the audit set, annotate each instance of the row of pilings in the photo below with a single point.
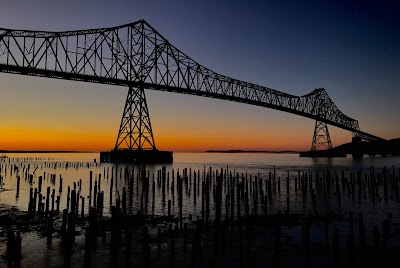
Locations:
(237, 211)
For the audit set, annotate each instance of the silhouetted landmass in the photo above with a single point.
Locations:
(385, 147)
(245, 151)
(379, 147)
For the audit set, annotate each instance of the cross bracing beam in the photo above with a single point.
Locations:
(136, 55)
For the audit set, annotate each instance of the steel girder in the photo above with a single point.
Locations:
(136, 55)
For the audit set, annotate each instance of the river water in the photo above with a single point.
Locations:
(236, 167)
(76, 168)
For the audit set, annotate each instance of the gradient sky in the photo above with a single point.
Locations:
(350, 48)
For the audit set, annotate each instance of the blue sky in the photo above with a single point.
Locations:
(350, 48)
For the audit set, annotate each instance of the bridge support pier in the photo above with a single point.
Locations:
(135, 141)
(321, 144)
(321, 139)
(135, 129)
(357, 147)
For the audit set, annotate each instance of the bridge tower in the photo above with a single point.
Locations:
(135, 140)
(321, 145)
(135, 131)
(321, 139)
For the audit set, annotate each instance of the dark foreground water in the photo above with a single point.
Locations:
(76, 167)
(339, 186)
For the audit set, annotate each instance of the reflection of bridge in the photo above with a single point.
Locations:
(137, 56)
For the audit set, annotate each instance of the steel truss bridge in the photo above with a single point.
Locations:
(135, 55)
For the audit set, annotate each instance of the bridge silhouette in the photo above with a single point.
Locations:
(135, 55)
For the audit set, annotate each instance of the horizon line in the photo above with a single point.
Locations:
(181, 151)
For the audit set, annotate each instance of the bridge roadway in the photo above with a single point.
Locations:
(136, 55)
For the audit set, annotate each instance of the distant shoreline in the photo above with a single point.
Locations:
(40, 152)
(208, 151)
(249, 151)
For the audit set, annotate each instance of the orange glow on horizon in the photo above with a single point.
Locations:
(81, 139)
(22, 139)
(59, 140)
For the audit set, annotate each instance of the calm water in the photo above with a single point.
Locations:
(243, 164)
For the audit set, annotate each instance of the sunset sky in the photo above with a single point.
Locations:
(350, 48)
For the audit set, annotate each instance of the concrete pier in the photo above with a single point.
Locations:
(137, 156)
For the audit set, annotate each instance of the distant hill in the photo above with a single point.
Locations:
(386, 147)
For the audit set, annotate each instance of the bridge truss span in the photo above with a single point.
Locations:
(136, 55)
